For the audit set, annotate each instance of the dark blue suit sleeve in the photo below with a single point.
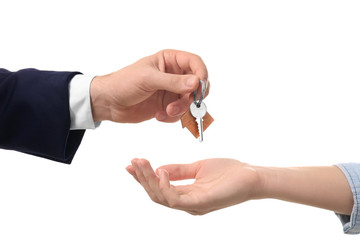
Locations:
(34, 114)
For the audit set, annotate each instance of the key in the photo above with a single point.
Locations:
(199, 112)
(197, 119)
(189, 122)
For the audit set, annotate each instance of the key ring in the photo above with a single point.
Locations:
(198, 102)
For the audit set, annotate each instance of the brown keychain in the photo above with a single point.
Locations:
(197, 119)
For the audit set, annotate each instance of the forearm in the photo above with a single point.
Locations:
(323, 187)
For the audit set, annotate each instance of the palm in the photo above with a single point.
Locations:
(219, 183)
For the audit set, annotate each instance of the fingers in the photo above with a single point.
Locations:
(158, 186)
(184, 62)
(180, 84)
(179, 107)
(131, 170)
(176, 83)
(180, 71)
(164, 182)
(181, 171)
(175, 109)
(170, 197)
(173, 172)
(162, 116)
(145, 178)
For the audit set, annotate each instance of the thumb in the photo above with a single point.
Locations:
(180, 171)
(176, 83)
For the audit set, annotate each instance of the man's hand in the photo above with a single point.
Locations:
(219, 183)
(159, 86)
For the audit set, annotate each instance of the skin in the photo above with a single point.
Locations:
(221, 183)
(158, 86)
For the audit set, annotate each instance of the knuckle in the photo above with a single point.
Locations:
(201, 213)
(198, 58)
(172, 203)
(195, 212)
(161, 52)
(161, 200)
(153, 197)
(198, 212)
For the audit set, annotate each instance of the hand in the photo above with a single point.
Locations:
(219, 183)
(159, 86)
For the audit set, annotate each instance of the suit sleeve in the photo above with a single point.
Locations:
(34, 114)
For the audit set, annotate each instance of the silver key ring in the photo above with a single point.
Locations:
(198, 102)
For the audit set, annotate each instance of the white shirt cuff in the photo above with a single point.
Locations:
(80, 103)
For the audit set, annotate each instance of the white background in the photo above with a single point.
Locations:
(285, 92)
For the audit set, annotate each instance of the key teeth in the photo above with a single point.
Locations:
(198, 129)
(188, 121)
(196, 133)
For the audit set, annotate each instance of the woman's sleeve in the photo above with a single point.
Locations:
(351, 224)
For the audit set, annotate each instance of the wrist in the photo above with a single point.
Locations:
(278, 183)
(100, 107)
(267, 182)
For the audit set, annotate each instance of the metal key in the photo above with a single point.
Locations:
(197, 119)
(198, 112)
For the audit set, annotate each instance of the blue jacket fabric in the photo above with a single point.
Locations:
(34, 114)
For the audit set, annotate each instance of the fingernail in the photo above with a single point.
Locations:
(191, 81)
(164, 173)
(160, 172)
